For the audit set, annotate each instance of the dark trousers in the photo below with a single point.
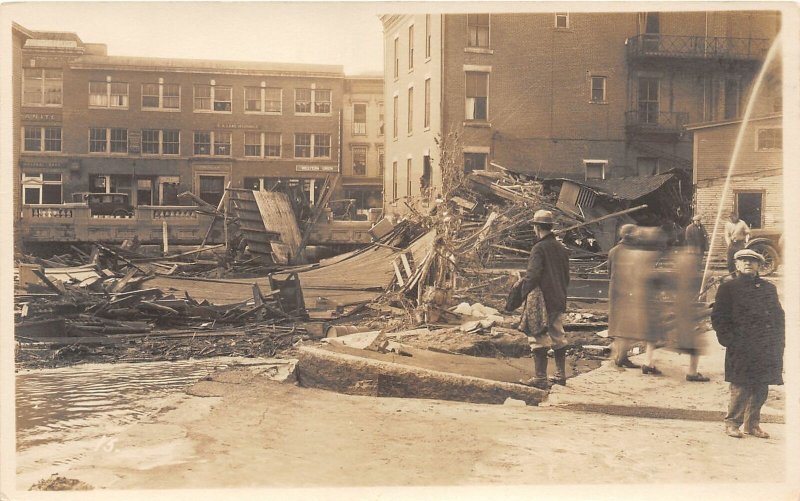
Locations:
(733, 248)
(745, 404)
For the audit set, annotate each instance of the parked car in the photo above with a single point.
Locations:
(106, 204)
(768, 243)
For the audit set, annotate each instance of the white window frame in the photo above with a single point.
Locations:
(313, 145)
(212, 98)
(262, 105)
(469, 114)
(758, 146)
(108, 132)
(161, 143)
(588, 162)
(26, 72)
(428, 37)
(42, 138)
(109, 104)
(362, 130)
(263, 144)
(37, 181)
(213, 138)
(426, 120)
(565, 17)
(411, 48)
(314, 102)
(395, 110)
(488, 35)
(396, 57)
(161, 84)
(604, 99)
(410, 111)
(381, 118)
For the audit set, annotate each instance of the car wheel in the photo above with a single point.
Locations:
(770, 257)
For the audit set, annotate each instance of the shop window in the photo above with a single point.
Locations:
(144, 192)
(42, 87)
(41, 188)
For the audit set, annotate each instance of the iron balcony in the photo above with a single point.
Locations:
(655, 122)
(696, 47)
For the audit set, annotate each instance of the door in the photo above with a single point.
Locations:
(211, 189)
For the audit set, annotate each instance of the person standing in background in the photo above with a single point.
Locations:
(696, 237)
(737, 233)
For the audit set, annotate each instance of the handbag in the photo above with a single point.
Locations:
(515, 297)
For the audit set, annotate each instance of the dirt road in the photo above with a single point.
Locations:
(261, 433)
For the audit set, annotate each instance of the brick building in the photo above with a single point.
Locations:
(155, 127)
(575, 95)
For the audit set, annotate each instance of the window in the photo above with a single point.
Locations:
(211, 189)
(160, 142)
(598, 91)
(394, 117)
(427, 119)
(410, 125)
(161, 96)
(394, 181)
(380, 118)
(732, 98)
(427, 36)
(380, 161)
(216, 143)
(213, 98)
(312, 145)
(478, 29)
(396, 58)
(359, 119)
(749, 206)
(108, 95)
(312, 101)
(427, 172)
(359, 160)
(474, 161)
(257, 142)
(595, 169)
(42, 87)
(41, 188)
(408, 177)
(770, 139)
(262, 100)
(647, 166)
(477, 92)
(562, 20)
(42, 139)
(108, 140)
(648, 101)
(411, 47)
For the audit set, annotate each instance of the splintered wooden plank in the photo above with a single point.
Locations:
(406, 265)
(397, 273)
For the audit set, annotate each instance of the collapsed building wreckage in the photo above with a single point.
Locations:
(93, 306)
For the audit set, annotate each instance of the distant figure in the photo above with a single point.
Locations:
(737, 233)
(617, 288)
(749, 322)
(696, 236)
(546, 282)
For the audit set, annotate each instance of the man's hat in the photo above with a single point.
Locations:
(695, 218)
(543, 216)
(749, 254)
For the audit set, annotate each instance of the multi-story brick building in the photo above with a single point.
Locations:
(575, 95)
(153, 128)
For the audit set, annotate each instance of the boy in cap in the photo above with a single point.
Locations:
(548, 270)
(749, 322)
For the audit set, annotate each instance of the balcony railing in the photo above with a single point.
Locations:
(697, 47)
(656, 121)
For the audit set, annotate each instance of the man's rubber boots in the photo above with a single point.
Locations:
(560, 377)
(540, 369)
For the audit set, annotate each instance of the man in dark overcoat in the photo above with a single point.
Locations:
(749, 322)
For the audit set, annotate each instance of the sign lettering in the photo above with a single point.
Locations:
(316, 168)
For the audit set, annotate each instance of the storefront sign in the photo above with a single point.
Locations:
(41, 117)
(39, 164)
(316, 168)
(134, 141)
(236, 126)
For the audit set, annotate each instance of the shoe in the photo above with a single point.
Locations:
(541, 384)
(757, 432)
(650, 369)
(557, 380)
(733, 431)
(626, 363)
(697, 378)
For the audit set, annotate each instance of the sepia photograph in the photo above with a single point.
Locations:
(399, 250)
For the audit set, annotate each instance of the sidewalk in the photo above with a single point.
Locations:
(611, 390)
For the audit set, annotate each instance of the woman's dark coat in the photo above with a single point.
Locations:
(749, 322)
